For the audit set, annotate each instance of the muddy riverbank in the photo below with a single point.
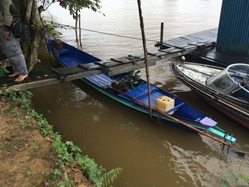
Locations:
(27, 158)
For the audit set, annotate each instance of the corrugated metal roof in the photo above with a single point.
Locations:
(233, 31)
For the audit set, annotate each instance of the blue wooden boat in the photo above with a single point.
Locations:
(130, 90)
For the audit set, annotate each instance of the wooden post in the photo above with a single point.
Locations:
(161, 35)
(80, 31)
(76, 29)
(145, 55)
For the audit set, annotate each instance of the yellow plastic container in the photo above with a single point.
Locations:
(164, 103)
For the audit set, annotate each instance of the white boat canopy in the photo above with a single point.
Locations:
(233, 78)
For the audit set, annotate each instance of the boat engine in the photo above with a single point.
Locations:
(137, 77)
(122, 83)
(126, 83)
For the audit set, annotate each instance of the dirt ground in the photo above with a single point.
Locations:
(25, 156)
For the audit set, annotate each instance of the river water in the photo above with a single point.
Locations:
(150, 154)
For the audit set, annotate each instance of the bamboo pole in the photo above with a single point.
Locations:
(76, 29)
(145, 55)
(80, 32)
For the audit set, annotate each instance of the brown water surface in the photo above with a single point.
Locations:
(151, 154)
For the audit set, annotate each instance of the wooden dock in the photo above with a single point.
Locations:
(169, 49)
(211, 56)
(195, 39)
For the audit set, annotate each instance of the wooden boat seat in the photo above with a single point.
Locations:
(62, 51)
(100, 80)
(141, 91)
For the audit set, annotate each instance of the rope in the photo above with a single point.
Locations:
(100, 32)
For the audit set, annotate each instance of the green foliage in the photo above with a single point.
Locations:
(61, 149)
(54, 174)
(14, 96)
(66, 182)
(91, 169)
(245, 178)
(16, 111)
(65, 152)
(28, 172)
(22, 98)
(24, 123)
(111, 176)
(35, 145)
(73, 148)
(50, 28)
(74, 6)
(224, 183)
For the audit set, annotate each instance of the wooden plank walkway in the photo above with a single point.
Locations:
(195, 39)
(171, 49)
(209, 56)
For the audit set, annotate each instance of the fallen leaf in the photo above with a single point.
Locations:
(48, 139)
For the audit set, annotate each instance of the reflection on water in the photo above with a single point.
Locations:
(151, 154)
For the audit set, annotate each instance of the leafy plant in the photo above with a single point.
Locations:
(24, 123)
(61, 149)
(65, 152)
(91, 169)
(111, 176)
(245, 178)
(16, 111)
(73, 148)
(28, 172)
(50, 27)
(56, 173)
(35, 145)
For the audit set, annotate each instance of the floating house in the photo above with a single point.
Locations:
(232, 44)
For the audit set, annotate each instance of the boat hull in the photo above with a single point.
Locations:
(140, 108)
(136, 96)
(233, 108)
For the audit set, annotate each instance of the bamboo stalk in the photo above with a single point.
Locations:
(145, 55)
(80, 32)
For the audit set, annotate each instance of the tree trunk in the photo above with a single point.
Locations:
(30, 15)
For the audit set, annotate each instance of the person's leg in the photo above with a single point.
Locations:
(19, 64)
(13, 52)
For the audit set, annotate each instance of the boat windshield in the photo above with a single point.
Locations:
(233, 78)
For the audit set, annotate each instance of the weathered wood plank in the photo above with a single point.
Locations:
(174, 48)
(34, 83)
(130, 67)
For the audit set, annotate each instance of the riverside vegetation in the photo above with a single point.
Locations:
(32, 154)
